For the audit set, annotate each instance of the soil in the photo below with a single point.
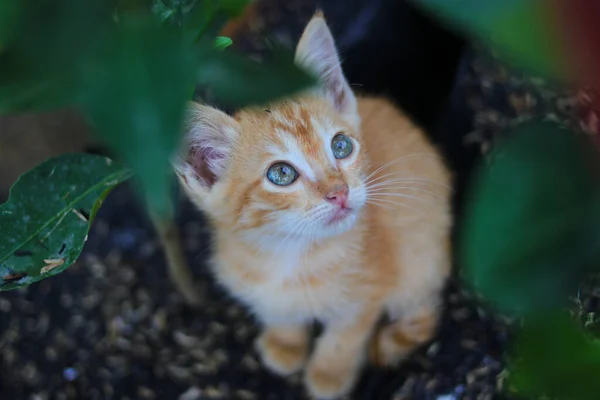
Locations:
(113, 327)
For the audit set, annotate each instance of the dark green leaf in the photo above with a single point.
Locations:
(135, 95)
(9, 20)
(238, 81)
(39, 69)
(531, 226)
(198, 21)
(234, 8)
(34, 93)
(208, 15)
(222, 42)
(521, 31)
(162, 11)
(46, 219)
(553, 357)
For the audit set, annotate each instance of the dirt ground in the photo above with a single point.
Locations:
(113, 327)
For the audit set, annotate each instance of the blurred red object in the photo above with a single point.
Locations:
(589, 106)
(580, 20)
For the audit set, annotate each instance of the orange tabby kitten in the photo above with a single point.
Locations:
(320, 209)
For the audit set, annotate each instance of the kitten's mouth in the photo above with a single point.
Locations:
(339, 215)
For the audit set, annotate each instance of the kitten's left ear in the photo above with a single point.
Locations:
(317, 52)
(207, 147)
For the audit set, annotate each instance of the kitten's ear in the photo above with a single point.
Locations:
(208, 143)
(317, 52)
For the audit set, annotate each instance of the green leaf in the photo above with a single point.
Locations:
(523, 32)
(234, 8)
(222, 42)
(206, 15)
(239, 81)
(135, 95)
(46, 219)
(39, 68)
(162, 11)
(9, 19)
(198, 21)
(553, 357)
(29, 92)
(531, 226)
(174, 11)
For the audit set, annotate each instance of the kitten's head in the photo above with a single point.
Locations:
(294, 168)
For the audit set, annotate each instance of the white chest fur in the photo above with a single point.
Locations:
(292, 289)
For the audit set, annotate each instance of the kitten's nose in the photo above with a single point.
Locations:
(338, 194)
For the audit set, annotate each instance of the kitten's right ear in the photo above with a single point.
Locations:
(208, 143)
(316, 51)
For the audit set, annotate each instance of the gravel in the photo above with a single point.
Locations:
(113, 327)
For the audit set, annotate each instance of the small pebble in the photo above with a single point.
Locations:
(5, 306)
(70, 374)
(146, 393)
(192, 393)
(447, 397)
(178, 373)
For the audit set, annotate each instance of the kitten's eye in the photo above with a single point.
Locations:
(341, 146)
(282, 174)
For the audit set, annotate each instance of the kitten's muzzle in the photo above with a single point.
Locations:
(339, 195)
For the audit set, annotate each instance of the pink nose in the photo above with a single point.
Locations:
(338, 195)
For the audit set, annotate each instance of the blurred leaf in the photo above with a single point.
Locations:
(239, 81)
(234, 8)
(205, 15)
(553, 357)
(531, 225)
(40, 67)
(173, 11)
(136, 90)
(524, 32)
(197, 22)
(222, 42)
(9, 19)
(36, 93)
(135, 8)
(46, 219)
(164, 12)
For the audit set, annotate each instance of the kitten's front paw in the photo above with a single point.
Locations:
(283, 353)
(394, 342)
(326, 381)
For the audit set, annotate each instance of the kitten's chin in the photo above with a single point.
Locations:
(338, 223)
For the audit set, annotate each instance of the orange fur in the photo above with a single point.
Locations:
(274, 247)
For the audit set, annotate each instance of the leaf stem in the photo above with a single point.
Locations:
(179, 270)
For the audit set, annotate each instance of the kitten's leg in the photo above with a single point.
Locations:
(284, 349)
(397, 340)
(415, 305)
(339, 356)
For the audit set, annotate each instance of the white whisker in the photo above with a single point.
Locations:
(398, 160)
(406, 196)
(400, 204)
(406, 179)
(311, 231)
(270, 238)
(297, 228)
(380, 205)
(385, 189)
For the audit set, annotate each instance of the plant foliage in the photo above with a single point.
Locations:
(524, 32)
(130, 66)
(46, 219)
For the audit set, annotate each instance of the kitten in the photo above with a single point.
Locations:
(325, 207)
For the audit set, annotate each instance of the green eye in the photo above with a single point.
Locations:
(282, 174)
(341, 146)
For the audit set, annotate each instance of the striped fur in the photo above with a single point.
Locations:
(278, 253)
